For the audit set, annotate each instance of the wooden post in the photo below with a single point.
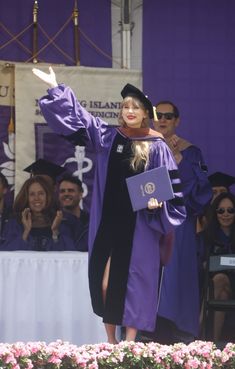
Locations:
(76, 34)
(35, 32)
(126, 34)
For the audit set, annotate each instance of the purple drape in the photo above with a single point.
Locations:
(189, 58)
(94, 22)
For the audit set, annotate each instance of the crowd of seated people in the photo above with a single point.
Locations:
(36, 225)
(44, 217)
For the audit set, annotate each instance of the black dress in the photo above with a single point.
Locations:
(117, 213)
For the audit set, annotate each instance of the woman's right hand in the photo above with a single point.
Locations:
(27, 222)
(49, 78)
(27, 219)
(154, 204)
(56, 224)
(173, 143)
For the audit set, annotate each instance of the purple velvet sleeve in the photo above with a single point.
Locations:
(13, 239)
(171, 214)
(12, 236)
(65, 115)
(196, 187)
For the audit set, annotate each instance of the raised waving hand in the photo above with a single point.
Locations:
(49, 78)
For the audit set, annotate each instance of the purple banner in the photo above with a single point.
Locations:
(78, 160)
(7, 156)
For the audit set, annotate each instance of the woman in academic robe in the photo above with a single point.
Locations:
(218, 238)
(123, 245)
(37, 226)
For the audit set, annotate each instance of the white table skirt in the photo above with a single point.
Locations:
(44, 296)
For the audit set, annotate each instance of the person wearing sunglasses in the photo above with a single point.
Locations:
(219, 238)
(220, 182)
(180, 298)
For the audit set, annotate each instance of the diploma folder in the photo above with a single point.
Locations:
(152, 183)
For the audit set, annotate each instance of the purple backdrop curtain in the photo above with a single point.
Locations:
(94, 21)
(189, 58)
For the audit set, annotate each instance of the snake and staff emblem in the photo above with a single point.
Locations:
(84, 165)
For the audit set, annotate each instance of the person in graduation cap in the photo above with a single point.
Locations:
(49, 170)
(37, 225)
(220, 182)
(124, 250)
(180, 295)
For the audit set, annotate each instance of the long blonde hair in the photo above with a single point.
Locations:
(140, 149)
(140, 154)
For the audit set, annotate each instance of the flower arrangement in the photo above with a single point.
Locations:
(125, 355)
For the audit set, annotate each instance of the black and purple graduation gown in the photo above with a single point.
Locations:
(132, 239)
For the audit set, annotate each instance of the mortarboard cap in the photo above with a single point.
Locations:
(130, 90)
(219, 179)
(45, 167)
